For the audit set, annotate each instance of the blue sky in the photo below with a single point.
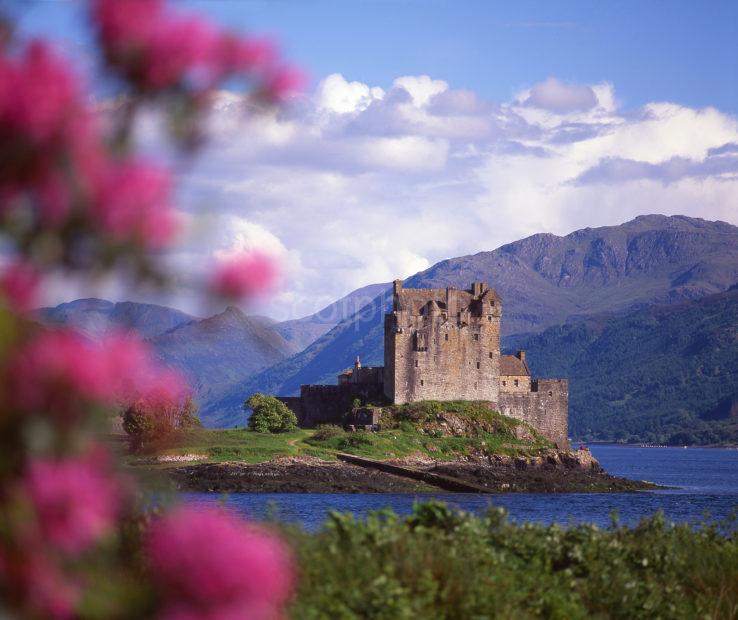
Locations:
(435, 129)
(685, 52)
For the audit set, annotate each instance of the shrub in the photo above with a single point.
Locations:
(152, 424)
(328, 431)
(442, 563)
(269, 415)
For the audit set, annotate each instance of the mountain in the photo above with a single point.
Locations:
(220, 351)
(302, 332)
(547, 280)
(544, 280)
(97, 317)
(663, 374)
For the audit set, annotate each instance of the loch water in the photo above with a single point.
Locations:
(703, 481)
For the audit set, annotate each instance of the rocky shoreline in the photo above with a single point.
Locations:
(556, 471)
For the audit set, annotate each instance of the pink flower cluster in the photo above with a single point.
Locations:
(156, 48)
(209, 565)
(39, 100)
(76, 500)
(134, 204)
(19, 286)
(53, 153)
(58, 372)
(245, 275)
(72, 503)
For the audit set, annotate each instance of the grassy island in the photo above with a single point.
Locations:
(419, 447)
(442, 431)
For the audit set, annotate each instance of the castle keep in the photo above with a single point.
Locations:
(442, 344)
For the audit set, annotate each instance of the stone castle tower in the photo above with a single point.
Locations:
(442, 344)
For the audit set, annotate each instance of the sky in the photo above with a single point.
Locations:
(435, 129)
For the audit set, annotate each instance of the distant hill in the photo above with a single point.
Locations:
(361, 334)
(303, 332)
(97, 317)
(544, 280)
(220, 351)
(663, 374)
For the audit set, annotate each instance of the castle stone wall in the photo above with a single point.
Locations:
(507, 384)
(327, 404)
(545, 407)
(442, 344)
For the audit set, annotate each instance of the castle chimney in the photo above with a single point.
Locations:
(521, 356)
(357, 363)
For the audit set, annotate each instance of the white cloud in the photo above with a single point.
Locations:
(420, 87)
(358, 184)
(556, 96)
(336, 94)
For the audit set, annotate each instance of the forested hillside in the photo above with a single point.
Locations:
(664, 374)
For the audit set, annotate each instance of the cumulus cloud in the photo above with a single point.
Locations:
(556, 96)
(361, 183)
(614, 170)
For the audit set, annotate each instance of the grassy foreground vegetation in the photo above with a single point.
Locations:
(414, 429)
(440, 563)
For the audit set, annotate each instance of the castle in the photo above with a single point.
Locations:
(442, 344)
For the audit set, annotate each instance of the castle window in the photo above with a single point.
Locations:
(476, 336)
(492, 303)
(435, 358)
(477, 364)
(504, 383)
(490, 355)
(416, 363)
(489, 317)
(475, 385)
(550, 393)
(446, 337)
(421, 382)
(517, 383)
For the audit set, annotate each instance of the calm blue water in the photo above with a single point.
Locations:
(706, 481)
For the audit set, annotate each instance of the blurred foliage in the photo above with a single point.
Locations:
(445, 564)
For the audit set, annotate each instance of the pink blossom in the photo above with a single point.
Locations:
(55, 372)
(245, 275)
(76, 500)
(134, 205)
(246, 55)
(153, 46)
(58, 372)
(282, 82)
(209, 564)
(19, 285)
(48, 590)
(38, 97)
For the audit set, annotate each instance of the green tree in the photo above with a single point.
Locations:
(269, 414)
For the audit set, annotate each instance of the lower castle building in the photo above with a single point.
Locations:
(442, 344)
